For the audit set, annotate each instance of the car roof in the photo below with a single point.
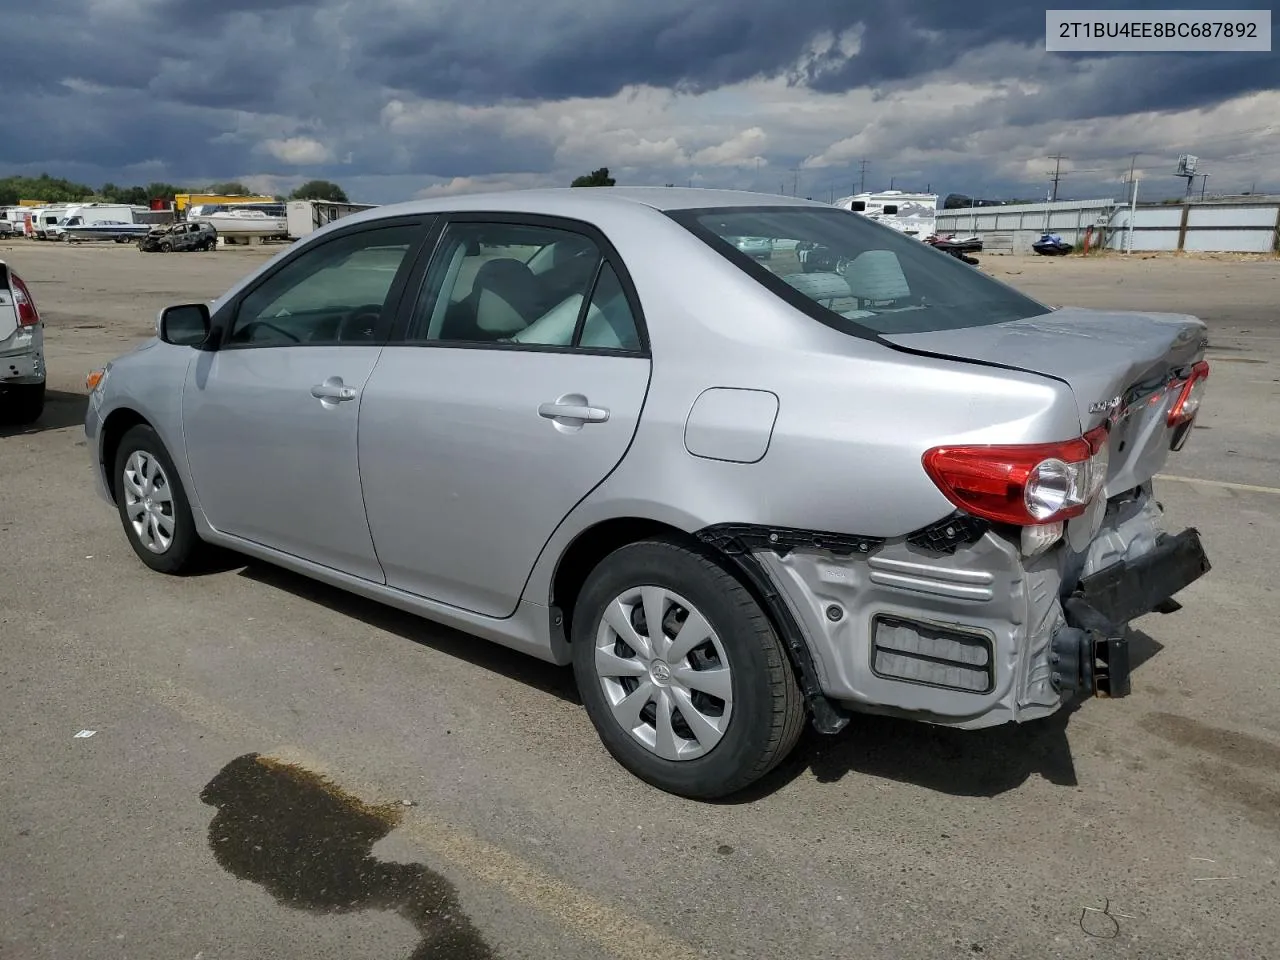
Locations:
(584, 201)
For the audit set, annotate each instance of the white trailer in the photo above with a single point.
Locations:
(306, 216)
(915, 214)
(45, 220)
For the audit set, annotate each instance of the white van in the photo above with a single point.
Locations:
(45, 220)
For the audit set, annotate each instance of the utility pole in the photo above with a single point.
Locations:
(862, 180)
(891, 179)
(1133, 158)
(1204, 182)
(1133, 215)
(1057, 174)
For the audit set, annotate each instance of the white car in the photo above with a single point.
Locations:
(22, 373)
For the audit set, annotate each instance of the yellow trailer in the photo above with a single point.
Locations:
(184, 200)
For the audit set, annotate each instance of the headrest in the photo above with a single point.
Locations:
(876, 275)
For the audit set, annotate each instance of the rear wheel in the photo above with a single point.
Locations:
(21, 403)
(153, 505)
(682, 673)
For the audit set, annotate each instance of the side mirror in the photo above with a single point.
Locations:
(185, 325)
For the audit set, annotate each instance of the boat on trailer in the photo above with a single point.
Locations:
(116, 230)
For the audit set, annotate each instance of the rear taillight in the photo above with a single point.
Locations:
(28, 315)
(1023, 484)
(1187, 405)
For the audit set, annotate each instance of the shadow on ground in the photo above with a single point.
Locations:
(971, 763)
(61, 410)
(557, 681)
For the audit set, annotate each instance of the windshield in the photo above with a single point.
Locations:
(856, 275)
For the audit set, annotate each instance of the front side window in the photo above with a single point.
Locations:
(336, 293)
(857, 275)
(523, 284)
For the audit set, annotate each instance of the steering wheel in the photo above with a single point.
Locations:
(361, 323)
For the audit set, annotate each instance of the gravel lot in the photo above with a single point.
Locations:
(161, 837)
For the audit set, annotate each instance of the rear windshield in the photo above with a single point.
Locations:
(854, 274)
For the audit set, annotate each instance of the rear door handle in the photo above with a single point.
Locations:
(333, 389)
(573, 411)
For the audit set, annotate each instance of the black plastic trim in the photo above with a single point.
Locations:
(1091, 652)
(826, 716)
(1127, 590)
(949, 533)
(742, 538)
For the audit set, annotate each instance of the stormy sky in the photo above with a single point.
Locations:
(402, 98)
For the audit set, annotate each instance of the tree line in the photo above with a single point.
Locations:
(58, 190)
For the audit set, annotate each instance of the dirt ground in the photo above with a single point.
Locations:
(1146, 827)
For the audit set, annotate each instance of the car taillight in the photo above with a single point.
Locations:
(28, 315)
(1022, 484)
(1187, 405)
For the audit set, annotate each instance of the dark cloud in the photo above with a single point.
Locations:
(202, 85)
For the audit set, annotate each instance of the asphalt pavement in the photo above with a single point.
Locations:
(246, 764)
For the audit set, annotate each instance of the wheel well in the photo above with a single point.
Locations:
(118, 423)
(592, 546)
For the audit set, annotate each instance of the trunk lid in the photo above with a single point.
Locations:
(8, 309)
(1117, 364)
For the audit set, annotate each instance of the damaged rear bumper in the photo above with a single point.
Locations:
(1091, 650)
(965, 628)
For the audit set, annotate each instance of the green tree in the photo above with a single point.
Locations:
(44, 187)
(320, 190)
(135, 196)
(596, 178)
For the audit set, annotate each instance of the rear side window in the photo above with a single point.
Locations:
(856, 275)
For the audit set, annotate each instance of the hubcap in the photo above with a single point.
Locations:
(148, 501)
(664, 673)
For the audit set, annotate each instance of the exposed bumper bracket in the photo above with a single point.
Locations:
(1091, 653)
(735, 543)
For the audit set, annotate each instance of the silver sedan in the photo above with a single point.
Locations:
(735, 495)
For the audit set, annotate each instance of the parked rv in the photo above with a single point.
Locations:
(44, 220)
(307, 216)
(914, 214)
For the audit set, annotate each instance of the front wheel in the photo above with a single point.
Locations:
(153, 505)
(682, 673)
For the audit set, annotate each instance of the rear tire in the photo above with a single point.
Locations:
(21, 403)
(703, 722)
(153, 505)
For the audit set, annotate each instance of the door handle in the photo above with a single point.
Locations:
(333, 389)
(573, 411)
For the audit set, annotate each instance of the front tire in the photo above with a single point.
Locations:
(153, 505)
(705, 706)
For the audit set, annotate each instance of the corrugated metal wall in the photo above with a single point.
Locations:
(1207, 226)
(1204, 228)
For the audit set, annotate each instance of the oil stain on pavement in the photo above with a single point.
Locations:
(309, 844)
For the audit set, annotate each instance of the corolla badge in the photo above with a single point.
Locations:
(1106, 406)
